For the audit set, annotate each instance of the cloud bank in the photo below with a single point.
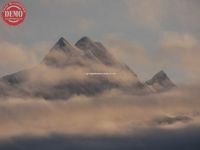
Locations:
(112, 113)
(17, 56)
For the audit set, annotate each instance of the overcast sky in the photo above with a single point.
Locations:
(149, 35)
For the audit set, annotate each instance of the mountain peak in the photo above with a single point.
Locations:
(161, 75)
(84, 41)
(85, 38)
(63, 45)
(62, 42)
(158, 77)
(162, 80)
(62, 54)
(95, 49)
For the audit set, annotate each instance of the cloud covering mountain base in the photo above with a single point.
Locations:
(112, 113)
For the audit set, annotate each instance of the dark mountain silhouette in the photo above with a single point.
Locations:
(86, 68)
(160, 82)
(62, 54)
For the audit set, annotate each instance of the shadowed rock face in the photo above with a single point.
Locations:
(160, 82)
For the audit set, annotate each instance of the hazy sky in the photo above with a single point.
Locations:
(149, 35)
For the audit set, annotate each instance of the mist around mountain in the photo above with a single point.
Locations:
(86, 68)
(114, 110)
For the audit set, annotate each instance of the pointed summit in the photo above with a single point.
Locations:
(161, 75)
(160, 81)
(61, 43)
(63, 46)
(62, 54)
(85, 43)
(95, 49)
(84, 39)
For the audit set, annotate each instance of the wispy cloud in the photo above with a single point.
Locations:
(17, 56)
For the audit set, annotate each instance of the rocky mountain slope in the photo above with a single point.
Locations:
(86, 68)
(160, 82)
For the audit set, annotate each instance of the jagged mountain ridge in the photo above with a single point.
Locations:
(62, 73)
(62, 54)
